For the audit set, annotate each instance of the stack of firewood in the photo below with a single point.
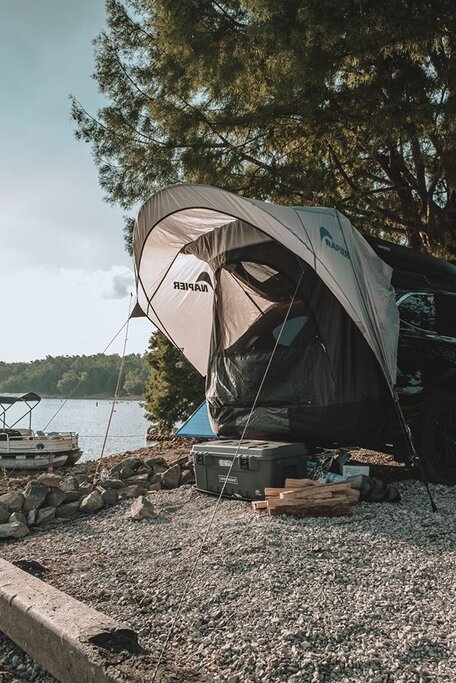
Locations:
(309, 498)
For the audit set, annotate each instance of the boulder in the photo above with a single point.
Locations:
(17, 517)
(125, 472)
(144, 469)
(45, 515)
(91, 503)
(112, 483)
(142, 508)
(156, 486)
(71, 496)
(67, 510)
(50, 479)
(158, 464)
(140, 479)
(31, 518)
(81, 478)
(34, 494)
(4, 514)
(14, 530)
(187, 477)
(12, 501)
(130, 463)
(109, 496)
(157, 460)
(69, 484)
(132, 491)
(55, 497)
(171, 478)
(83, 490)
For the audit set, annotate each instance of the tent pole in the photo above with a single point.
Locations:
(414, 458)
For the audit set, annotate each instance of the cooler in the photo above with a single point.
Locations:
(258, 464)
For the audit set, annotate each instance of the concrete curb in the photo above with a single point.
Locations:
(73, 642)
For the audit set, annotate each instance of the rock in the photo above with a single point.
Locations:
(17, 517)
(154, 479)
(125, 472)
(67, 510)
(109, 496)
(14, 530)
(91, 503)
(55, 497)
(133, 491)
(130, 463)
(31, 518)
(69, 484)
(157, 464)
(187, 477)
(45, 515)
(171, 478)
(112, 483)
(83, 490)
(12, 501)
(4, 514)
(144, 469)
(34, 494)
(71, 496)
(142, 508)
(81, 478)
(50, 479)
(157, 460)
(140, 479)
(156, 486)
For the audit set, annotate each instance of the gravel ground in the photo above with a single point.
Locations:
(369, 598)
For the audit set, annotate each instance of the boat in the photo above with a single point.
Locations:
(27, 449)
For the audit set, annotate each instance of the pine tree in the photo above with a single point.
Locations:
(335, 102)
(174, 389)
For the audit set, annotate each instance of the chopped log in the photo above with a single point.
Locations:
(353, 494)
(299, 483)
(310, 503)
(305, 511)
(259, 504)
(308, 493)
(342, 487)
(270, 492)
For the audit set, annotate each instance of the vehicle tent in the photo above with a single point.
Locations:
(234, 282)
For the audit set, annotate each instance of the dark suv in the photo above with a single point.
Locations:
(426, 381)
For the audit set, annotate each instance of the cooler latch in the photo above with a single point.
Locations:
(244, 462)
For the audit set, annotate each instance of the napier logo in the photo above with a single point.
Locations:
(325, 236)
(202, 284)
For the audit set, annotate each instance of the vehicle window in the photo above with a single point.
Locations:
(445, 305)
(419, 310)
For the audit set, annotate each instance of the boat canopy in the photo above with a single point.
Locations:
(10, 399)
(231, 281)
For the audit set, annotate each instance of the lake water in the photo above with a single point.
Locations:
(90, 418)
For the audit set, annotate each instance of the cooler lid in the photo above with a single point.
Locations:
(251, 447)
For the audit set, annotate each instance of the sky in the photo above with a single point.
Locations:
(65, 276)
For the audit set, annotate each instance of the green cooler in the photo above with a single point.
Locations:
(258, 464)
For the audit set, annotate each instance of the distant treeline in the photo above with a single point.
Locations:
(58, 376)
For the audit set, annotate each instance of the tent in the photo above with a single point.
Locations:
(290, 298)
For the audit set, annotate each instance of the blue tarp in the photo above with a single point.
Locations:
(197, 425)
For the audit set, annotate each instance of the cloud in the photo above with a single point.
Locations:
(66, 312)
(122, 282)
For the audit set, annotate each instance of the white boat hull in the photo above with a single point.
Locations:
(30, 451)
